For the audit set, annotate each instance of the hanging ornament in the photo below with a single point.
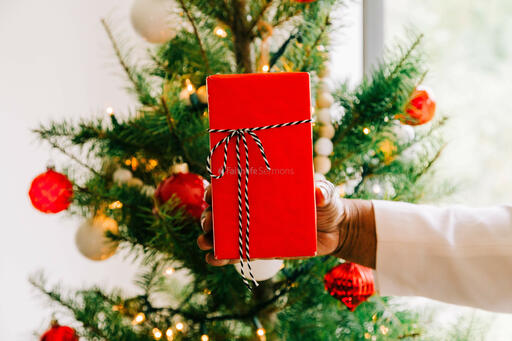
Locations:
(155, 20)
(51, 192)
(188, 188)
(420, 109)
(350, 283)
(91, 238)
(323, 146)
(324, 116)
(59, 333)
(324, 99)
(322, 164)
(202, 95)
(262, 269)
(326, 130)
(122, 176)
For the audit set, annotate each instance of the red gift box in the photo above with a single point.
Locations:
(282, 199)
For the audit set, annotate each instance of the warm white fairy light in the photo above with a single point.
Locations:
(260, 331)
(139, 318)
(205, 337)
(115, 205)
(157, 334)
(384, 330)
(220, 32)
(169, 334)
(265, 68)
(366, 131)
(189, 86)
(109, 110)
(169, 271)
(180, 326)
(376, 188)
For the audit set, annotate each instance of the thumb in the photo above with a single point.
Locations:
(324, 192)
(329, 206)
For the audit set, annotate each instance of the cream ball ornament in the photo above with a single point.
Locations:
(91, 239)
(202, 95)
(262, 269)
(324, 100)
(156, 21)
(122, 176)
(323, 146)
(322, 164)
(327, 131)
(324, 116)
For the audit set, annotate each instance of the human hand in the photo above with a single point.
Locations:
(345, 228)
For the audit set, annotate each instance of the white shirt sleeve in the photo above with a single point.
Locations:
(457, 255)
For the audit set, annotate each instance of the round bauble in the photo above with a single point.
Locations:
(122, 176)
(322, 164)
(202, 95)
(189, 188)
(324, 100)
(323, 146)
(59, 333)
(262, 269)
(51, 192)
(91, 239)
(420, 109)
(154, 20)
(350, 283)
(135, 182)
(324, 116)
(326, 130)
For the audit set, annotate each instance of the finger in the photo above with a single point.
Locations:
(208, 194)
(210, 259)
(206, 221)
(205, 242)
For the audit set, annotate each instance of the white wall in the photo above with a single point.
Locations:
(55, 62)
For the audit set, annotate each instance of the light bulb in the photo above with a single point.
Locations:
(169, 271)
(366, 131)
(180, 326)
(384, 330)
(139, 318)
(109, 110)
(115, 205)
(265, 68)
(260, 331)
(169, 333)
(189, 86)
(220, 32)
(205, 337)
(157, 334)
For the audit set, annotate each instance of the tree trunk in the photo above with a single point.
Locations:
(241, 38)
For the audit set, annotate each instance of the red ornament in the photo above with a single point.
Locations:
(188, 187)
(350, 283)
(420, 109)
(51, 192)
(59, 333)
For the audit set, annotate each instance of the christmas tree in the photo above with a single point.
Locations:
(365, 143)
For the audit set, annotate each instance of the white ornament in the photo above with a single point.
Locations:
(157, 21)
(322, 164)
(202, 95)
(324, 99)
(326, 130)
(185, 96)
(91, 240)
(262, 269)
(135, 182)
(324, 116)
(122, 176)
(323, 146)
(148, 190)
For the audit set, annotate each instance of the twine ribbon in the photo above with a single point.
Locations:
(240, 134)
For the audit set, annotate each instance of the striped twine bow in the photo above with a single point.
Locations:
(241, 135)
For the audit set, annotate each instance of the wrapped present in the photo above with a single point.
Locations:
(261, 166)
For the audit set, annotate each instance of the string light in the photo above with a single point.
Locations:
(205, 337)
(367, 335)
(366, 131)
(260, 331)
(169, 334)
(207, 291)
(157, 334)
(189, 86)
(152, 163)
(320, 48)
(117, 307)
(180, 326)
(133, 162)
(115, 205)
(265, 68)
(220, 32)
(384, 330)
(109, 110)
(169, 271)
(139, 318)
(376, 188)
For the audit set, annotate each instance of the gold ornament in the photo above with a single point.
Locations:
(202, 95)
(324, 100)
(326, 130)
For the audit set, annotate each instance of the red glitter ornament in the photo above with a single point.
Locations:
(420, 109)
(350, 283)
(188, 188)
(51, 192)
(59, 333)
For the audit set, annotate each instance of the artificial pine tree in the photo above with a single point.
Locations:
(373, 156)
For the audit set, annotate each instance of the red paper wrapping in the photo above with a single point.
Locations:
(282, 200)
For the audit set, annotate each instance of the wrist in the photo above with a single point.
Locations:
(357, 233)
